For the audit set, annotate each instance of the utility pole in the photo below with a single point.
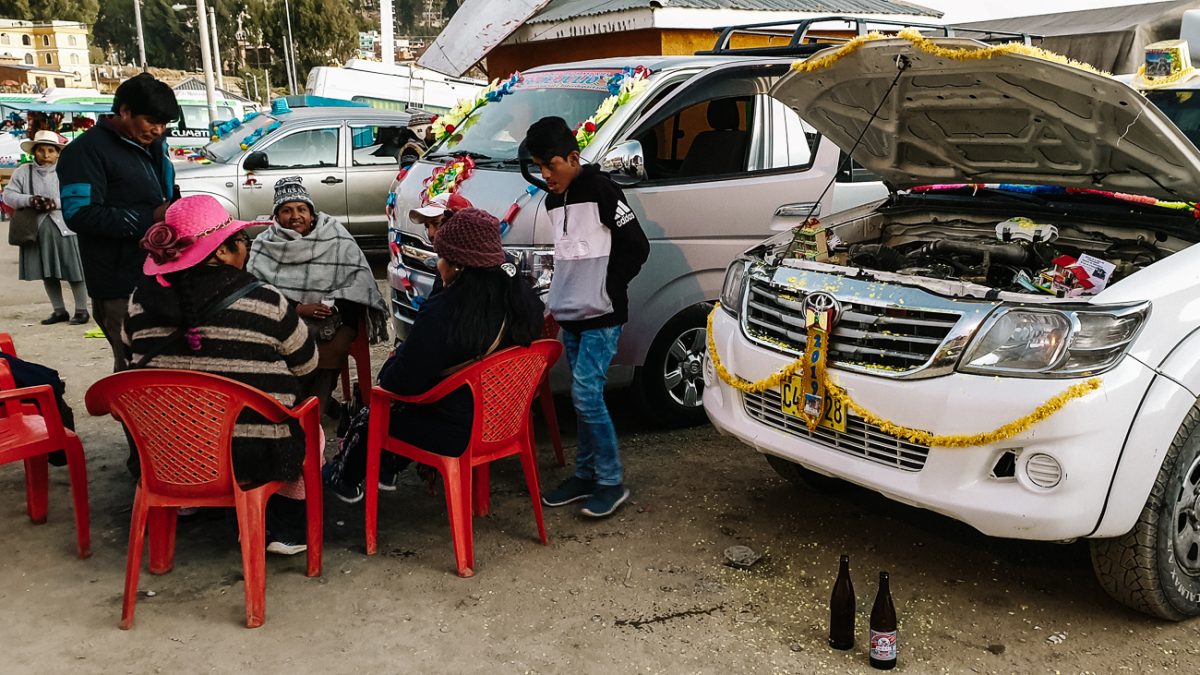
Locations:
(212, 20)
(387, 29)
(289, 48)
(137, 19)
(206, 62)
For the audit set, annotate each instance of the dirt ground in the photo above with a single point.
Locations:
(643, 592)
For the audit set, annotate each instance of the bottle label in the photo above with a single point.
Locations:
(883, 645)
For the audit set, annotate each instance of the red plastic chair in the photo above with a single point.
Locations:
(360, 351)
(30, 429)
(182, 423)
(546, 395)
(503, 386)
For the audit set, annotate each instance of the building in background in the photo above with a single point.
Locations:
(52, 53)
(573, 30)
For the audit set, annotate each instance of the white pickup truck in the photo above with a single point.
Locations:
(1004, 172)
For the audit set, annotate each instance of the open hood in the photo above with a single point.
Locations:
(1006, 119)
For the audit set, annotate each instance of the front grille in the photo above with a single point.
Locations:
(860, 439)
(887, 338)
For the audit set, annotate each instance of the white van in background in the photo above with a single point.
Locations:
(393, 87)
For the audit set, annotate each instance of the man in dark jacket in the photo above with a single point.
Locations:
(117, 181)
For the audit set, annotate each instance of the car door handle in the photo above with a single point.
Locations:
(332, 180)
(799, 210)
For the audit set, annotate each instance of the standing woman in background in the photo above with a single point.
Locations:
(54, 257)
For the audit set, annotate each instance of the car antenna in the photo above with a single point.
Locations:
(902, 64)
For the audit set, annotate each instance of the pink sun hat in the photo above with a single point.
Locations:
(194, 227)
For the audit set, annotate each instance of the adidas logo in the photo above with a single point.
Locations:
(623, 214)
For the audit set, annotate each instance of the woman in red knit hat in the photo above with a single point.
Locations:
(483, 307)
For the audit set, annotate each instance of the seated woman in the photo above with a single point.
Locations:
(197, 309)
(312, 259)
(483, 307)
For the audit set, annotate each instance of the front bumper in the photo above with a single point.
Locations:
(1085, 438)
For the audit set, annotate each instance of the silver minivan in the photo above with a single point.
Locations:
(711, 163)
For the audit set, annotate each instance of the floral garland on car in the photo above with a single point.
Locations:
(953, 53)
(919, 436)
(462, 116)
(623, 86)
(447, 178)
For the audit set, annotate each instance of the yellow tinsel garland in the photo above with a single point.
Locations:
(955, 53)
(1142, 82)
(919, 436)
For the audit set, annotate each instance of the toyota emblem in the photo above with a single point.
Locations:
(821, 302)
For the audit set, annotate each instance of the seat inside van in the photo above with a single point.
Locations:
(722, 149)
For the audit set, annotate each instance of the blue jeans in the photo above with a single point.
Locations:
(590, 352)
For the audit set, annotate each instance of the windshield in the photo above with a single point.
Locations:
(499, 128)
(1183, 107)
(230, 146)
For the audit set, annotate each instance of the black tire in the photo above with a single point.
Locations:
(665, 405)
(806, 479)
(1155, 567)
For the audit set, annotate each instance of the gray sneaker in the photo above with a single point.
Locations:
(605, 500)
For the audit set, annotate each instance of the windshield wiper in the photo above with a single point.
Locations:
(477, 156)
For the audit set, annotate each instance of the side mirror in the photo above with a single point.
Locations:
(626, 163)
(256, 160)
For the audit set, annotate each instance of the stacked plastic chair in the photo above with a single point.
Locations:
(30, 429)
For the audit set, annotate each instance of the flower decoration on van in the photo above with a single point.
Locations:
(1014, 428)
(447, 178)
(952, 53)
(623, 86)
(462, 116)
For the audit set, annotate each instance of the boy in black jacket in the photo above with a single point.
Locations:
(599, 247)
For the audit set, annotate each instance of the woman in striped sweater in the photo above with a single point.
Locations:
(195, 265)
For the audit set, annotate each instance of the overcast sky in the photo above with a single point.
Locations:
(961, 11)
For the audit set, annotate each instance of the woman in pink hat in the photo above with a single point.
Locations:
(198, 309)
(54, 257)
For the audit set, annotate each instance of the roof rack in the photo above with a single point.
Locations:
(801, 44)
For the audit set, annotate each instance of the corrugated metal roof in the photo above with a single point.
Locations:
(562, 10)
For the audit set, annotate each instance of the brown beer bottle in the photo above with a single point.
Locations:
(883, 627)
(842, 608)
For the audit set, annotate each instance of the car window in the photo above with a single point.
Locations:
(374, 146)
(709, 138)
(1183, 107)
(853, 172)
(312, 148)
(782, 140)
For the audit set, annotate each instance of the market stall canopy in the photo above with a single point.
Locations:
(65, 108)
(1112, 39)
(477, 27)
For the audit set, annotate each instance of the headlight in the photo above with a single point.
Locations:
(1047, 342)
(734, 285)
(536, 265)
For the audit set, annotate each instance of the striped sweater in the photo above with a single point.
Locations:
(258, 340)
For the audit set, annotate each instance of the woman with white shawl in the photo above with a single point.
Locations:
(54, 257)
(311, 258)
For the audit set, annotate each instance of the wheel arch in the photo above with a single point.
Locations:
(1162, 412)
(696, 288)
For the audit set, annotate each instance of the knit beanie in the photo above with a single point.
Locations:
(291, 189)
(419, 118)
(471, 238)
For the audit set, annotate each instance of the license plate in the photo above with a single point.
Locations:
(792, 403)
